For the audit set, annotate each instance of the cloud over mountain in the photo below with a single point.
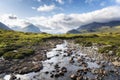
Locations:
(60, 23)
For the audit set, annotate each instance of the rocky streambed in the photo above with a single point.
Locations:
(69, 61)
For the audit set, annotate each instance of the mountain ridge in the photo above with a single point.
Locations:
(97, 26)
(4, 27)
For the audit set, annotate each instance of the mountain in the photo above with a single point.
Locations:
(98, 27)
(73, 31)
(3, 26)
(31, 28)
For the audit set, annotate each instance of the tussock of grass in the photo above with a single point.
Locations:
(11, 40)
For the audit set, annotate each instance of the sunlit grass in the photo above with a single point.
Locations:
(11, 40)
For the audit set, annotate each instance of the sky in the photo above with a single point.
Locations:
(57, 16)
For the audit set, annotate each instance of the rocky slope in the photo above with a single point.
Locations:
(3, 26)
(98, 26)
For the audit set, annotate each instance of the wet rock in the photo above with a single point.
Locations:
(46, 72)
(73, 77)
(69, 52)
(57, 55)
(85, 78)
(102, 72)
(79, 59)
(61, 73)
(13, 77)
(98, 62)
(116, 63)
(56, 66)
(52, 75)
(102, 65)
(59, 50)
(79, 78)
(95, 71)
(71, 60)
(53, 71)
(18, 79)
(51, 63)
(57, 75)
(49, 58)
(64, 69)
(64, 55)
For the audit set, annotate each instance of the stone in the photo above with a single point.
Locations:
(79, 78)
(46, 72)
(64, 69)
(116, 63)
(61, 73)
(52, 75)
(73, 76)
(13, 77)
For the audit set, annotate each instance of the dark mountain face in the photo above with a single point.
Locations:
(3, 26)
(96, 25)
(73, 31)
(31, 28)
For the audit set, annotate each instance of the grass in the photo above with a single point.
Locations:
(111, 41)
(11, 40)
(16, 45)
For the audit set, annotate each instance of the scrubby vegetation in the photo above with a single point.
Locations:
(17, 45)
(18, 54)
(108, 41)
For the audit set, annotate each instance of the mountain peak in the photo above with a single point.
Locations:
(97, 26)
(31, 28)
(3, 26)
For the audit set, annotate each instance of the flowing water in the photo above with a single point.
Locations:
(59, 56)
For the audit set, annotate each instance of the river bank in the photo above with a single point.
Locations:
(29, 64)
(69, 61)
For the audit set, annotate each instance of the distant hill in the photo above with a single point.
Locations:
(97, 26)
(31, 28)
(3, 26)
(73, 31)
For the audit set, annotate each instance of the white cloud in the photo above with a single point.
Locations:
(33, 8)
(60, 1)
(12, 20)
(61, 23)
(46, 8)
(118, 1)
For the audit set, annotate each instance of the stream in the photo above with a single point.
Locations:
(69, 61)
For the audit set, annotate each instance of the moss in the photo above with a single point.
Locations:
(118, 52)
(19, 54)
(1, 52)
(9, 55)
(113, 48)
(108, 48)
(88, 44)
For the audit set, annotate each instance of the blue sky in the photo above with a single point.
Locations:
(23, 8)
(57, 16)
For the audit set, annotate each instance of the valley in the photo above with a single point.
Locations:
(34, 55)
